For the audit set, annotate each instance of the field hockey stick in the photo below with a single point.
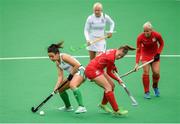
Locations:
(90, 43)
(133, 70)
(98, 39)
(33, 109)
(133, 101)
(110, 32)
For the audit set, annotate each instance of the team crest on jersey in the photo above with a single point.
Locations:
(97, 72)
(102, 20)
(154, 39)
(142, 45)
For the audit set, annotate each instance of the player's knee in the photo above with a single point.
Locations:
(113, 86)
(156, 75)
(145, 73)
(108, 88)
(72, 86)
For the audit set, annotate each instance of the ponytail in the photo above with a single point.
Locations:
(55, 47)
(60, 44)
(126, 48)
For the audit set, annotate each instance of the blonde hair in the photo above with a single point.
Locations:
(98, 4)
(148, 25)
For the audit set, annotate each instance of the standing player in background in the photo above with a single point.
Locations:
(95, 28)
(95, 71)
(65, 62)
(149, 46)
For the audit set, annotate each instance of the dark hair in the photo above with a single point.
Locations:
(54, 48)
(126, 48)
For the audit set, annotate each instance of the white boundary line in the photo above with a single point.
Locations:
(46, 57)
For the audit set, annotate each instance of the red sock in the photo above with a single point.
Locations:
(104, 100)
(145, 79)
(110, 97)
(156, 78)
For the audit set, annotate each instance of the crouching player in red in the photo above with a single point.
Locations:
(95, 71)
(149, 46)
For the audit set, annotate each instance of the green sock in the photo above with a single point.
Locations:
(78, 96)
(65, 98)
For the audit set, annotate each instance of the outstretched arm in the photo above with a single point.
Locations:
(60, 76)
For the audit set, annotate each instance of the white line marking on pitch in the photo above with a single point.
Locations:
(46, 57)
